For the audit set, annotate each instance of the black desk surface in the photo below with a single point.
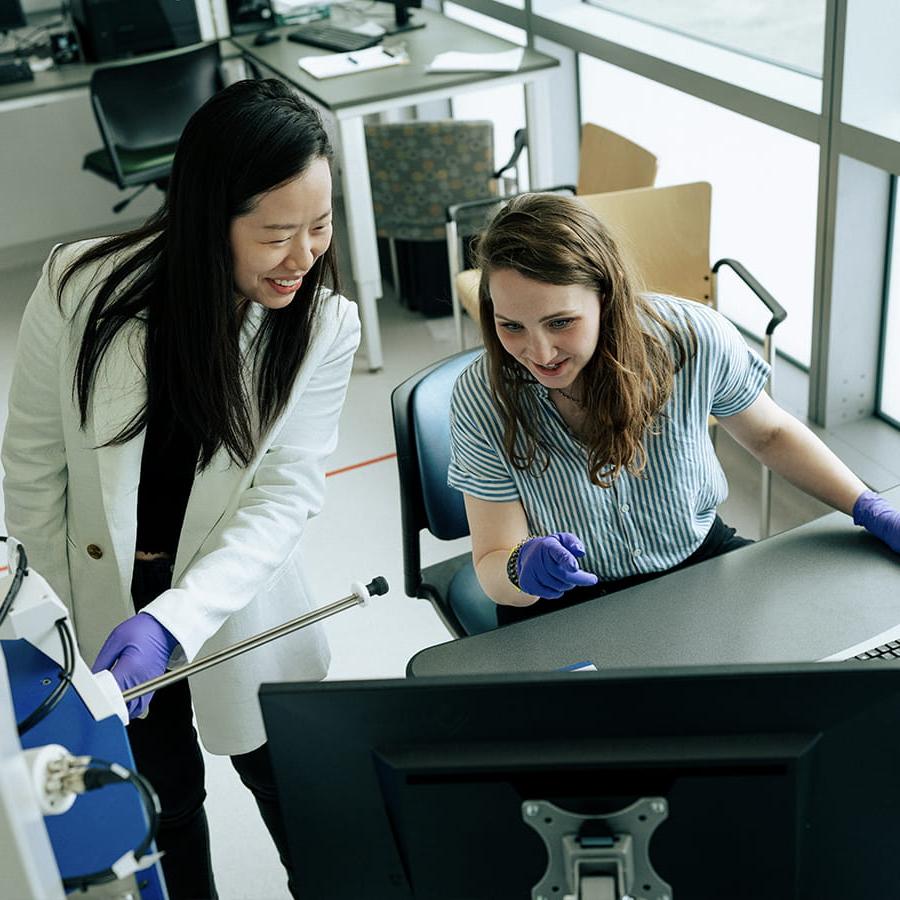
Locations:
(439, 34)
(799, 596)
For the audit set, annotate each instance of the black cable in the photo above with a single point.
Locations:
(99, 774)
(20, 573)
(50, 702)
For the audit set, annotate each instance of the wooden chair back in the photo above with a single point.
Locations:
(663, 232)
(609, 162)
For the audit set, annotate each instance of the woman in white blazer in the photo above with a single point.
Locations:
(176, 392)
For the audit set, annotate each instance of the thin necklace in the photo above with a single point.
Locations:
(568, 396)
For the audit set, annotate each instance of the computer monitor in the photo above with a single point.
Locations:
(745, 783)
(118, 29)
(250, 15)
(402, 19)
(11, 15)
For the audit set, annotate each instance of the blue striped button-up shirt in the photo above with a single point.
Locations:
(647, 523)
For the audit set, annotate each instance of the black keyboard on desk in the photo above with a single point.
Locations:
(890, 650)
(15, 70)
(330, 38)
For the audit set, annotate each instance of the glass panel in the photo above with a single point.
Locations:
(504, 106)
(889, 400)
(871, 99)
(787, 34)
(764, 188)
(762, 73)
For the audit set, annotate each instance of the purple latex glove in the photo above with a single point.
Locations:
(548, 566)
(136, 651)
(877, 516)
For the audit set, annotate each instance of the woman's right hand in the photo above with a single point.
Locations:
(548, 566)
(136, 651)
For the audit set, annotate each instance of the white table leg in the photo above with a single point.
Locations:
(538, 120)
(361, 228)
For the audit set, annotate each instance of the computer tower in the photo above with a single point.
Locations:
(117, 29)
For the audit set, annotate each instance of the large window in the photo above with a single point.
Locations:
(788, 71)
(871, 96)
(786, 34)
(764, 187)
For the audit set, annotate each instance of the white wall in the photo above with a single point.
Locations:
(44, 190)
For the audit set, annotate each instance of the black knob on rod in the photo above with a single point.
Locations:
(377, 586)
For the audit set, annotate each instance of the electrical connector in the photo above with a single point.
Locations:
(56, 777)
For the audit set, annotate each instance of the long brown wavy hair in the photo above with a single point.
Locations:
(628, 379)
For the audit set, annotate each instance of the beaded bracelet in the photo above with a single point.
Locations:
(512, 563)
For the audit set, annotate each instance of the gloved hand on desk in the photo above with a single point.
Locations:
(136, 651)
(878, 517)
(548, 566)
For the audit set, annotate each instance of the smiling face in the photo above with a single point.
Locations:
(275, 244)
(550, 329)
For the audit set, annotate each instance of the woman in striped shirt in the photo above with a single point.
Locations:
(580, 438)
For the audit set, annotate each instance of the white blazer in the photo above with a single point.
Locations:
(73, 503)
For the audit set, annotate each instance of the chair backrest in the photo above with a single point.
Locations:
(418, 169)
(421, 414)
(609, 162)
(145, 103)
(664, 233)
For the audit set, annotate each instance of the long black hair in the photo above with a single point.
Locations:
(176, 273)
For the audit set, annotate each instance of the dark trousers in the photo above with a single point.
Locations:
(719, 539)
(167, 752)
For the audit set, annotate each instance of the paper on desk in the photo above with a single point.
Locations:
(459, 61)
(286, 7)
(332, 64)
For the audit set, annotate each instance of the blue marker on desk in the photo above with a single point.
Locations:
(584, 666)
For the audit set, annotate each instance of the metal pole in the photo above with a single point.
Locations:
(765, 513)
(376, 587)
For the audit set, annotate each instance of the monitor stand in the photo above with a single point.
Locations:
(598, 856)
(403, 21)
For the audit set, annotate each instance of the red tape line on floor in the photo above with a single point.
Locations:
(359, 465)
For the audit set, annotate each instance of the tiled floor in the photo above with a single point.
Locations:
(357, 537)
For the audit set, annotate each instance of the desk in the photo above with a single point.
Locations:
(46, 86)
(799, 596)
(348, 98)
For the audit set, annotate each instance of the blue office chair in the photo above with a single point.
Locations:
(421, 411)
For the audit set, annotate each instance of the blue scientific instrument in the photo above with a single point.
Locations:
(74, 813)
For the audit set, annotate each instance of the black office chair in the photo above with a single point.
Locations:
(142, 107)
(421, 411)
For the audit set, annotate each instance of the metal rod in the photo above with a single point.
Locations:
(765, 512)
(198, 665)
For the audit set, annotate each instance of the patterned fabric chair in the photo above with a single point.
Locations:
(417, 170)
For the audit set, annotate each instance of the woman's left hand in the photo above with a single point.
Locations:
(878, 517)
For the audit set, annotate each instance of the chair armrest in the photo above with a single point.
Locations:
(779, 314)
(453, 211)
(520, 142)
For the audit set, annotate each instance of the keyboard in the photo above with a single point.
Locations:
(890, 650)
(330, 38)
(14, 71)
(885, 645)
